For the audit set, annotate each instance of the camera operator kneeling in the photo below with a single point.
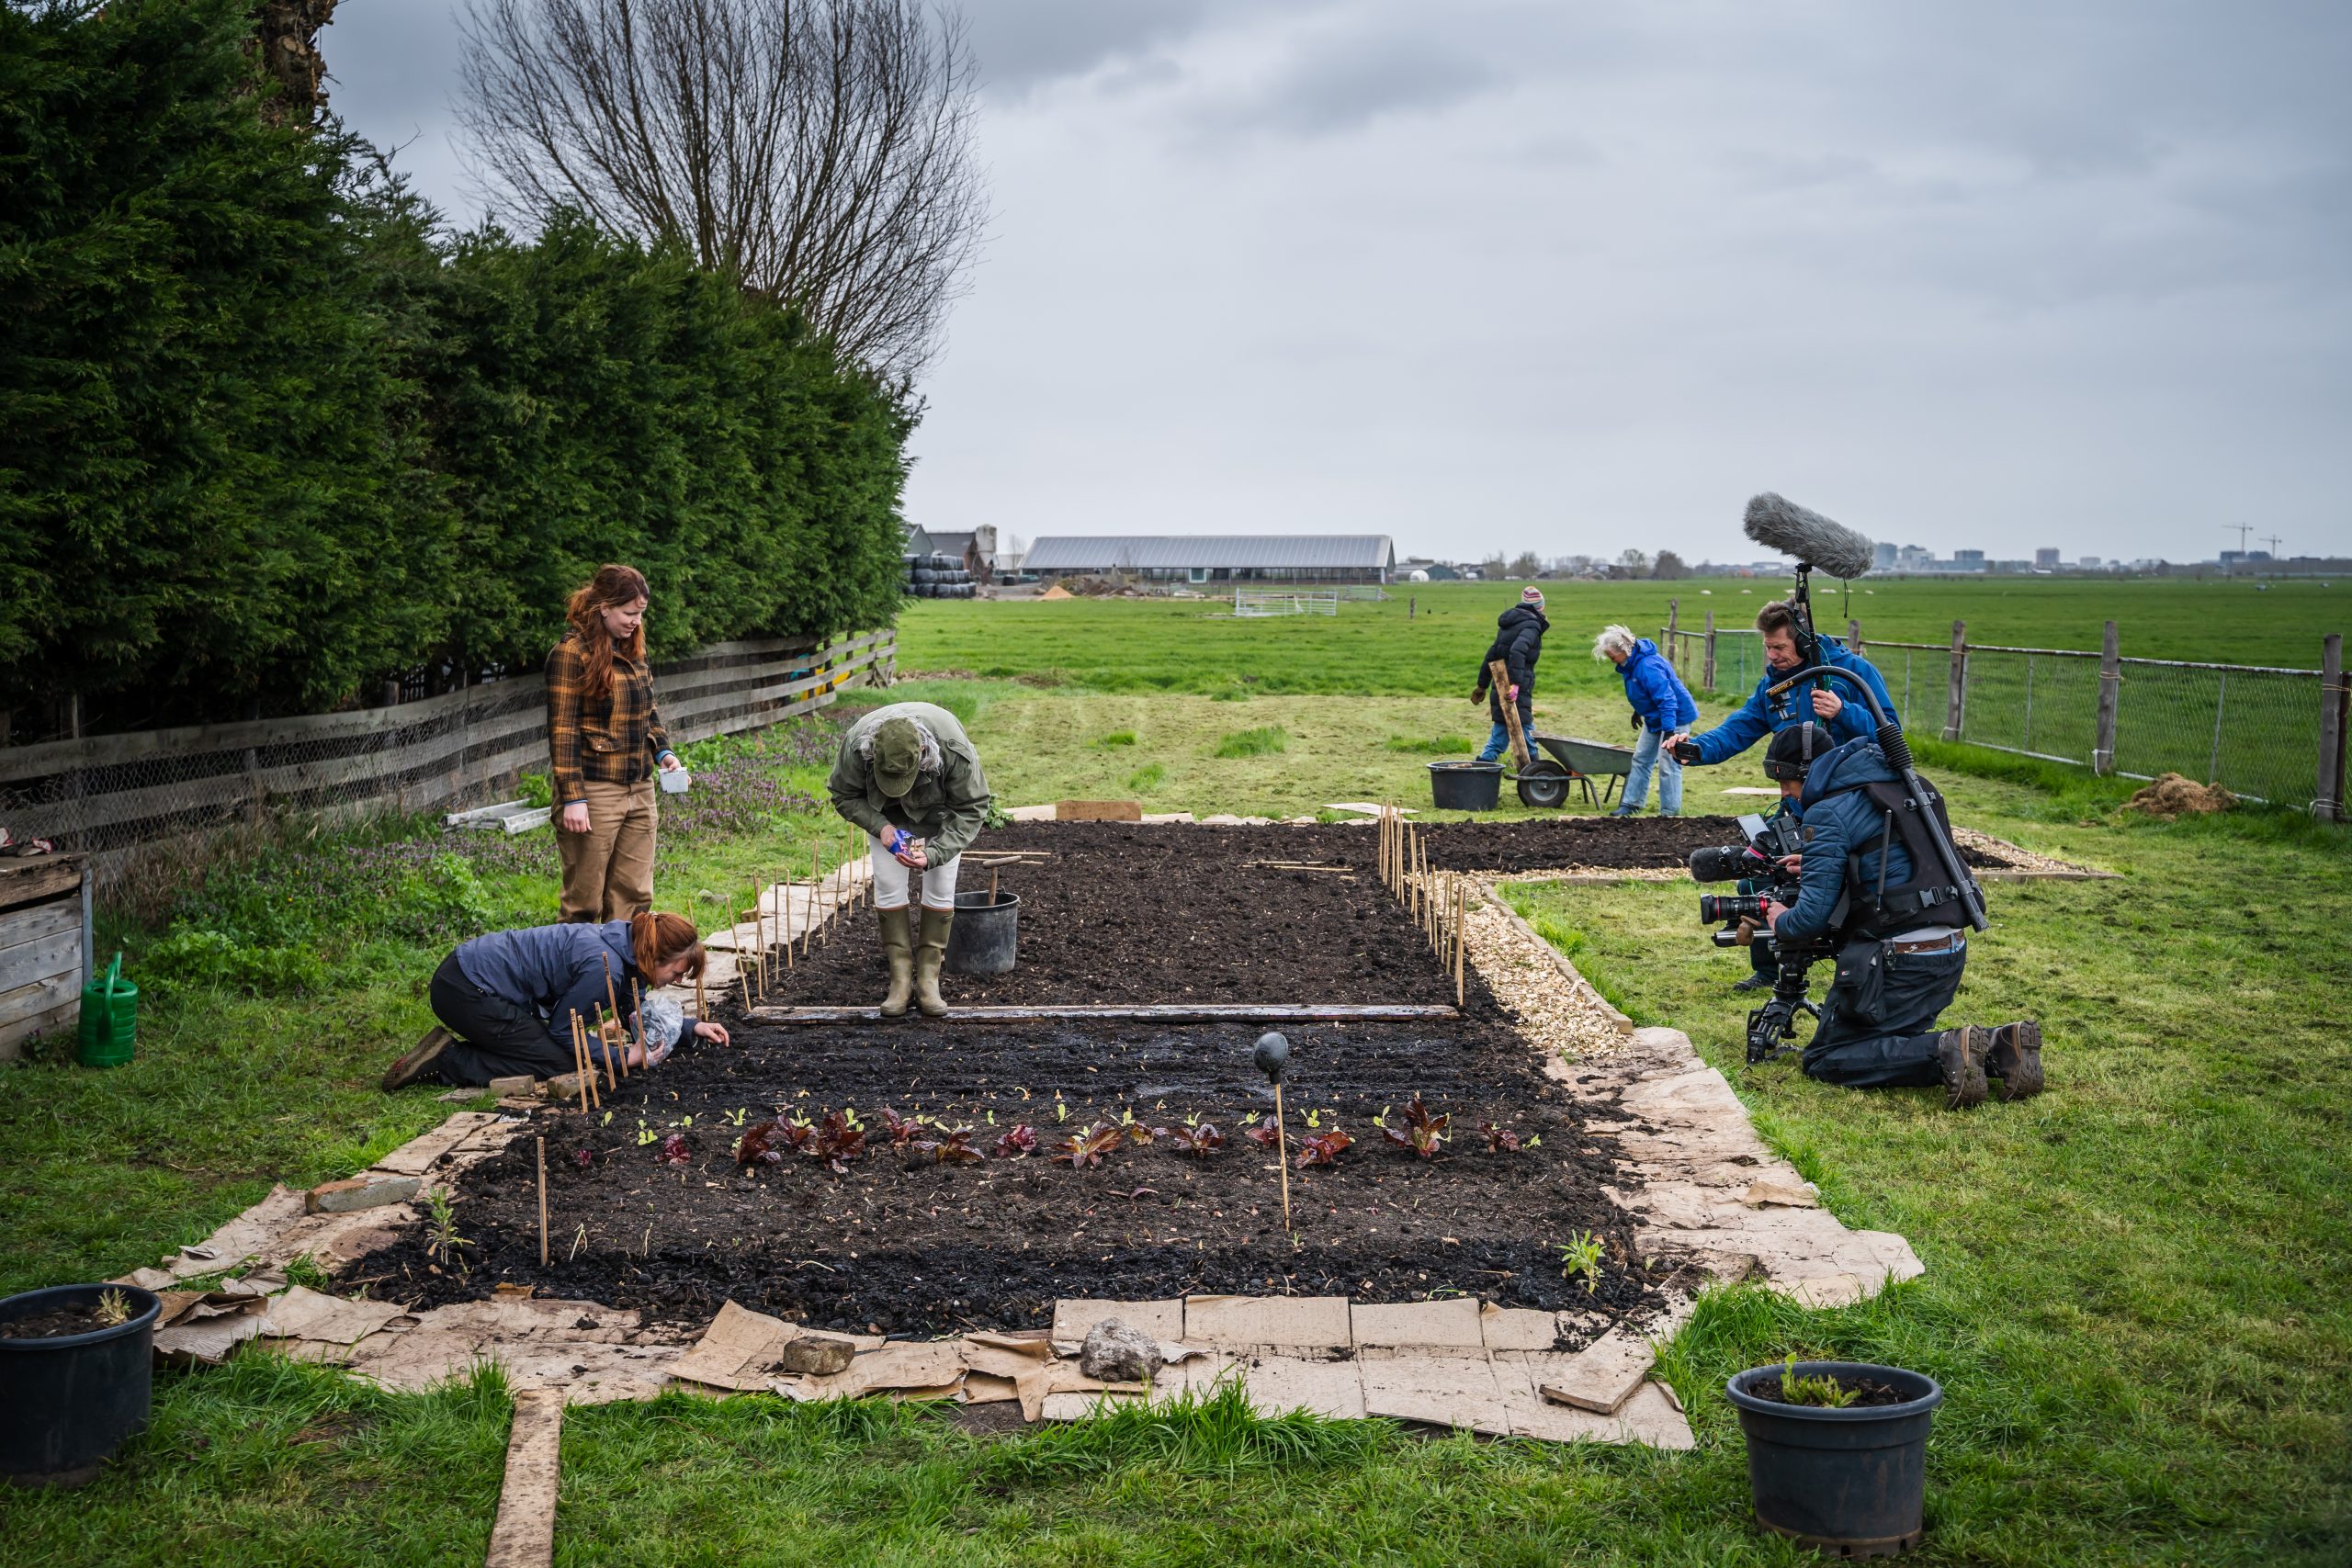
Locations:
(1870, 877)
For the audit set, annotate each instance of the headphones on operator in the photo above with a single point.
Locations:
(1792, 750)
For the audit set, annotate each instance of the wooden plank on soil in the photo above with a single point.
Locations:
(1180, 1012)
(1098, 811)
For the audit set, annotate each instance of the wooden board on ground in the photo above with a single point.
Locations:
(524, 1536)
(1098, 811)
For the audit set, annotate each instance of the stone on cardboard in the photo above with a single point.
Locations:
(1115, 1352)
(817, 1354)
(370, 1190)
(1451, 1321)
(737, 1351)
(1300, 1322)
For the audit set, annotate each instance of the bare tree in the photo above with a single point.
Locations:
(820, 151)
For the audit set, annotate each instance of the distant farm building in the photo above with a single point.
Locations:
(1211, 560)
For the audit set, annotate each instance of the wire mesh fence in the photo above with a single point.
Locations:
(1738, 657)
(2259, 731)
(115, 794)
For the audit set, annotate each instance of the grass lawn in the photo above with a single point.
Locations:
(2135, 1292)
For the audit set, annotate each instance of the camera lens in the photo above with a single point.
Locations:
(1714, 907)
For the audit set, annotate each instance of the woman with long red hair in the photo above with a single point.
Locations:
(605, 740)
(506, 1000)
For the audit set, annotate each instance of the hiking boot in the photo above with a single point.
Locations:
(898, 948)
(931, 951)
(1754, 982)
(1626, 811)
(419, 1060)
(1960, 1056)
(2014, 1058)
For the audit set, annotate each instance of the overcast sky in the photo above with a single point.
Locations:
(1575, 276)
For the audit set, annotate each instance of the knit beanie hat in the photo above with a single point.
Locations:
(1531, 596)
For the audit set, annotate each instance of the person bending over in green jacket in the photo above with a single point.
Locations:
(907, 775)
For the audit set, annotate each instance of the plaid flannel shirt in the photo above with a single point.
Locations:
(612, 738)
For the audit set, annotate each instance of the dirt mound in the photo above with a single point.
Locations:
(2172, 796)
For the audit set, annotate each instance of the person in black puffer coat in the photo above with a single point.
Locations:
(1518, 642)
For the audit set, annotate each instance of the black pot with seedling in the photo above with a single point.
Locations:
(75, 1379)
(1837, 1452)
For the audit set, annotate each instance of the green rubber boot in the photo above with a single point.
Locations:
(897, 946)
(930, 954)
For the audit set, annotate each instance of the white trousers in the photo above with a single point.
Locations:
(891, 879)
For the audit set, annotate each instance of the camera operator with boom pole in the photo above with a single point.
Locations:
(1870, 888)
(1878, 883)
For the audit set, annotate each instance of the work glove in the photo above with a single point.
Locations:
(1480, 695)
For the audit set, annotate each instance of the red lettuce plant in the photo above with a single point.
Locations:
(1424, 1133)
(1087, 1148)
(1322, 1148)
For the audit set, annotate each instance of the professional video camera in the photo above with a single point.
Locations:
(1756, 865)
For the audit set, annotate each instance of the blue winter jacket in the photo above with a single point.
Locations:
(560, 970)
(1762, 714)
(1660, 700)
(1840, 820)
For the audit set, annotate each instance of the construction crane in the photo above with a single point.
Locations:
(2240, 530)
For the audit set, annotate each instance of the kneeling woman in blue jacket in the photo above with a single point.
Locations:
(505, 1000)
(1662, 706)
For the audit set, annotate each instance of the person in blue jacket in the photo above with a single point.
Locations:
(1662, 706)
(505, 1000)
(1518, 643)
(1902, 943)
(1831, 702)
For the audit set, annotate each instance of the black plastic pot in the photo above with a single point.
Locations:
(66, 1403)
(1466, 787)
(986, 937)
(1852, 1483)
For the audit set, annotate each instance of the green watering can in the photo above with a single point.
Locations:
(109, 1019)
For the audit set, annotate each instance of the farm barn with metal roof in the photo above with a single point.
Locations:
(1211, 558)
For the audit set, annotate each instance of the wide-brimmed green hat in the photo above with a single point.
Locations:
(897, 756)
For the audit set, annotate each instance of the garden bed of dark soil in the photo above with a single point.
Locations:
(900, 1243)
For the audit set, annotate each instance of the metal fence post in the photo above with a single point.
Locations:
(1708, 681)
(2111, 677)
(2328, 804)
(1956, 702)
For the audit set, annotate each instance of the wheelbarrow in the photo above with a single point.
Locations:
(1570, 763)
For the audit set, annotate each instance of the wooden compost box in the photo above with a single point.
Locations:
(44, 947)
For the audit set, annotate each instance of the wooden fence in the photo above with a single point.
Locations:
(110, 794)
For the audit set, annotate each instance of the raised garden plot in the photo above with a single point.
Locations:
(904, 1240)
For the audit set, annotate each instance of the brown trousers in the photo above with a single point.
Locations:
(608, 870)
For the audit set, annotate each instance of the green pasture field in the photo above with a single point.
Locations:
(1427, 637)
(2135, 1292)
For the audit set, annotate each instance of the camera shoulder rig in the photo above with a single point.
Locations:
(1929, 897)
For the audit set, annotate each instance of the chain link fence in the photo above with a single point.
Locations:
(2259, 731)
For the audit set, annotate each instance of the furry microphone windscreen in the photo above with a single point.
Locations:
(1795, 530)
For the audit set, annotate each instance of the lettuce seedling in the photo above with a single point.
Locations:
(766, 1142)
(899, 1127)
(837, 1141)
(674, 1151)
(1016, 1140)
(952, 1146)
(1423, 1133)
(1499, 1140)
(1087, 1148)
(1199, 1139)
(1265, 1133)
(1323, 1148)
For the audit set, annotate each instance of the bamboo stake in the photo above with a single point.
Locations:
(596, 1100)
(1460, 946)
(816, 874)
(614, 997)
(580, 1063)
(637, 1006)
(747, 988)
(702, 1003)
(992, 875)
(759, 941)
(1282, 1152)
(543, 1200)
